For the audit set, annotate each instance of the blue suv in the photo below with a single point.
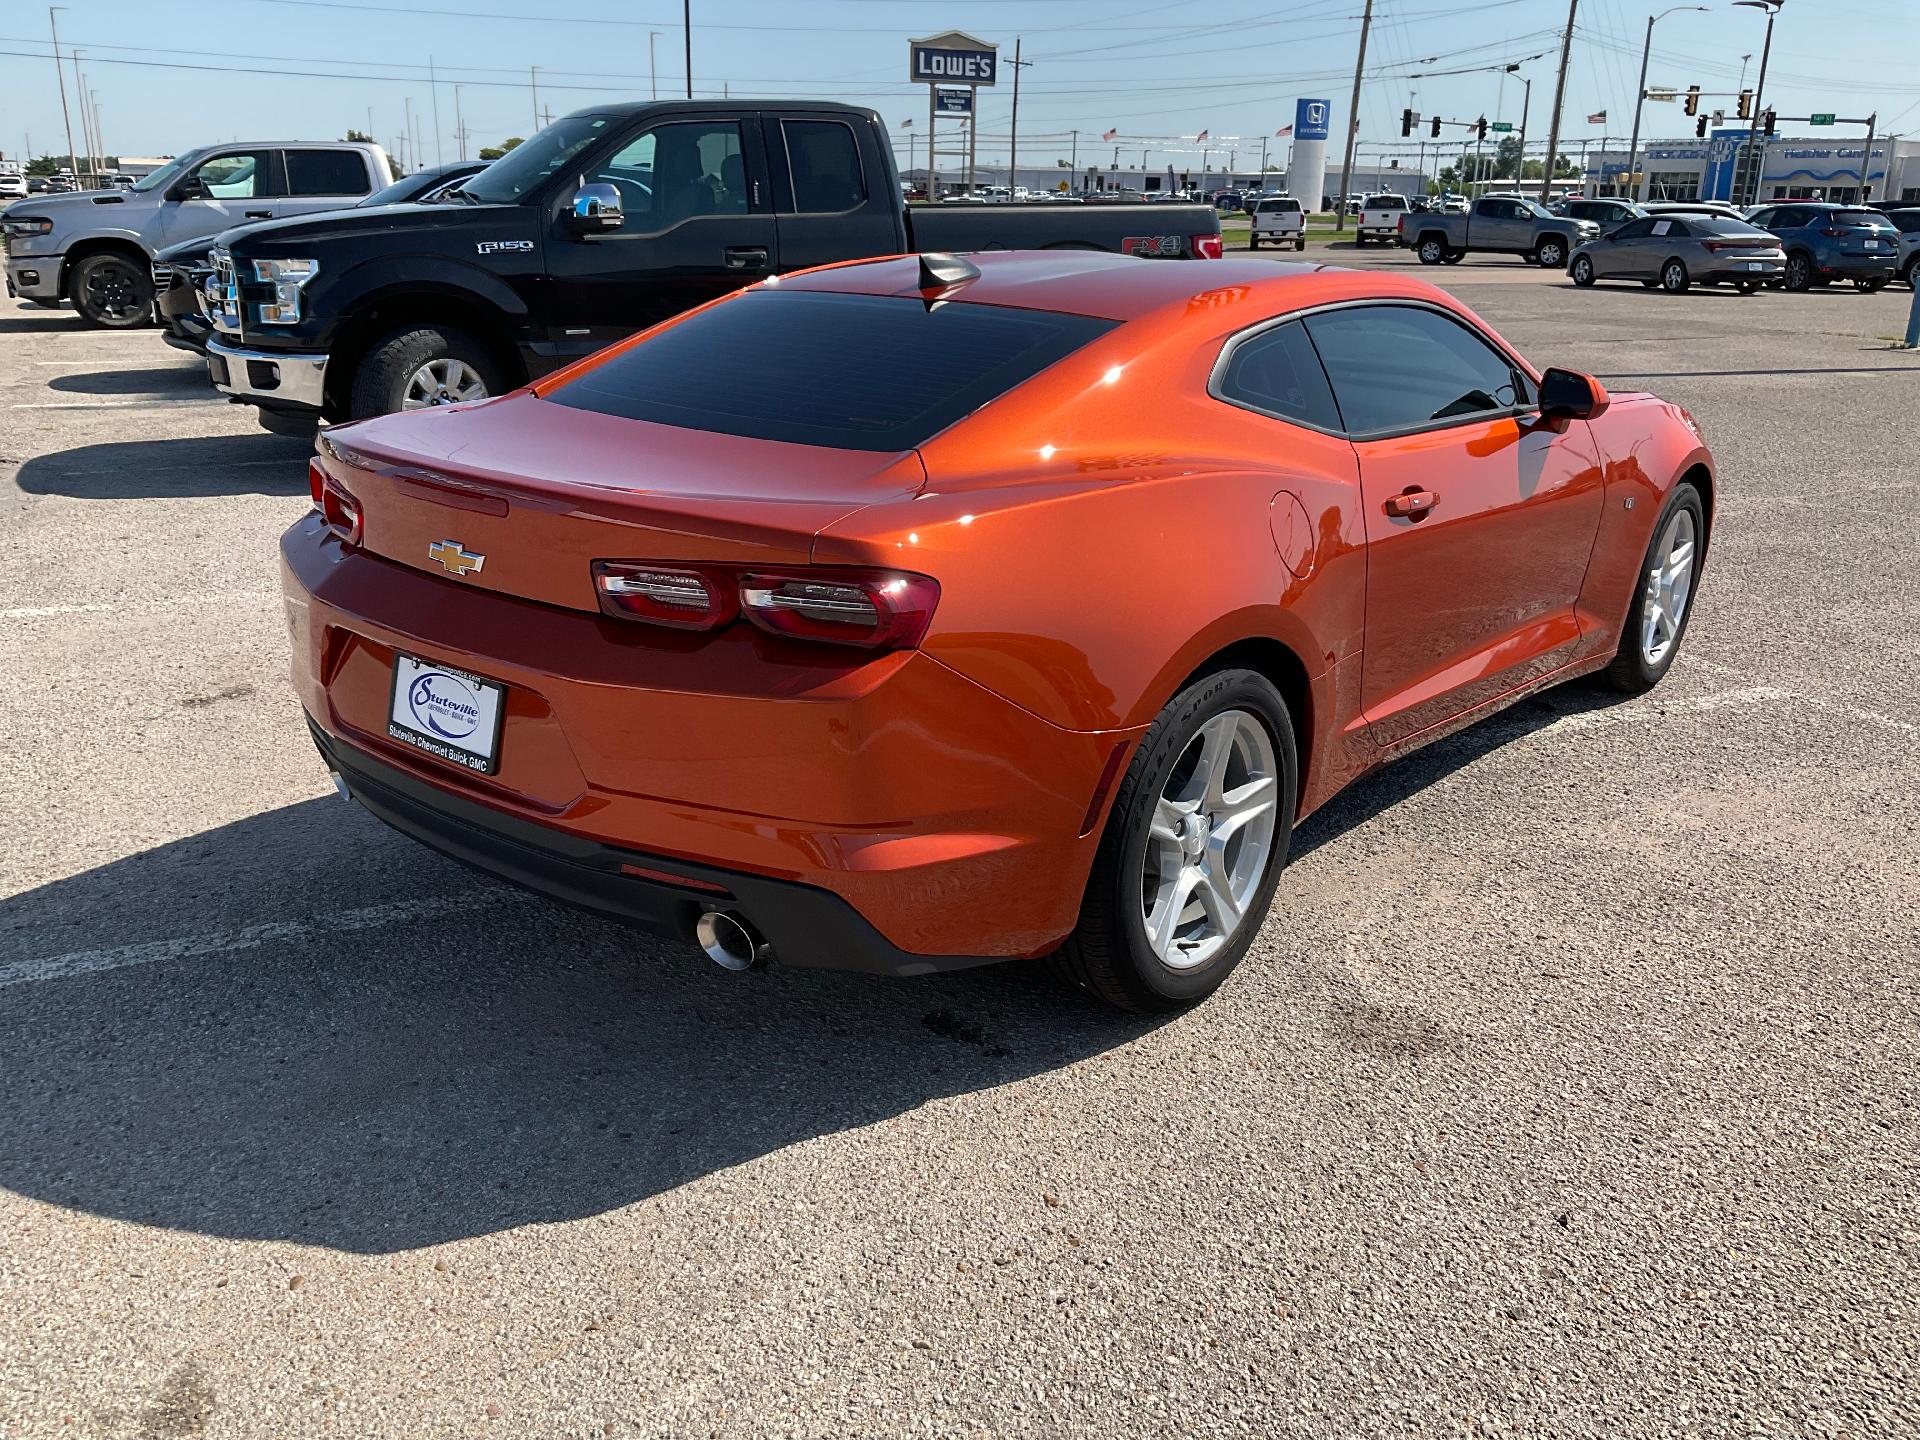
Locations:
(1832, 242)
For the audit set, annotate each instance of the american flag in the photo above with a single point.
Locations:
(1283, 132)
(906, 124)
(1201, 136)
(1109, 134)
(1599, 117)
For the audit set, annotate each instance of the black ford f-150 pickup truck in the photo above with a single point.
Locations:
(608, 221)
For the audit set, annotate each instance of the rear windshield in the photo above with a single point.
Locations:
(855, 372)
(1873, 219)
(1725, 225)
(1386, 202)
(1283, 207)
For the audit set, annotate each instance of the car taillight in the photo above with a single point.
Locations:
(334, 502)
(681, 596)
(1207, 247)
(874, 609)
(1832, 234)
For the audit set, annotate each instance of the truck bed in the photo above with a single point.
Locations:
(1184, 232)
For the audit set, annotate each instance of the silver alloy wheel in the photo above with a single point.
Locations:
(1669, 587)
(1210, 840)
(1552, 257)
(1582, 269)
(1431, 251)
(445, 381)
(1674, 277)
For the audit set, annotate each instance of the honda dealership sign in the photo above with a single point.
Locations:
(1307, 170)
(952, 59)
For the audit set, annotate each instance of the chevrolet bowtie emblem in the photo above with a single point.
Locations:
(455, 558)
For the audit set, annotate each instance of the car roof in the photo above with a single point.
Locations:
(1121, 287)
(729, 108)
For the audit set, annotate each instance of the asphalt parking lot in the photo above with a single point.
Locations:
(1569, 1091)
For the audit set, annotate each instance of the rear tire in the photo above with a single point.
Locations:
(1301, 245)
(1746, 287)
(1453, 257)
(1674, 278)
(1799, 276)
(1110, 952)
(110, 292)
(1431, 250)
(394, 368)
(1636, 667)
(1551, 253)
(1868, 287)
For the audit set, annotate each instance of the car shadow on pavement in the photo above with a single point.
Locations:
(423, 1055)
(44, 321)
(146, 380)
(255, 464)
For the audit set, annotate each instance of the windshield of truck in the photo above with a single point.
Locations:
(523, 169)
(169, 172)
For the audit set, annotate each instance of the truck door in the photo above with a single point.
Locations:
(696, 223)
(319, 179)
(227, 188)
(1498, 225)
(830, 203)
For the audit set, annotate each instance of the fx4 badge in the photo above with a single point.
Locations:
(496, 247)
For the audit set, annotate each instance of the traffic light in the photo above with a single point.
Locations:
(1701, 128)
(1769, 121)
(1693, 99)
(1436, 127)
(1746, 104)
(1406, 122)
(1480, 128)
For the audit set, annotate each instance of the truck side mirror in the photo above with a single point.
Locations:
(191, 188)
(596, 208)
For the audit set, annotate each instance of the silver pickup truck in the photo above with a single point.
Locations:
(95, 248)
(1501, 224)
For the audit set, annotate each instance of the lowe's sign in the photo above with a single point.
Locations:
(952, 59)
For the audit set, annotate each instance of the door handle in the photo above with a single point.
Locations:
(1412, 504)
(259, 214)
(746, 257)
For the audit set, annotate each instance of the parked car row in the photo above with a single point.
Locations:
(311, 307)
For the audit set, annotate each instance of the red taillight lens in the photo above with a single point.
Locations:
(1208, 247)
(874, 609)
(334, 502)
(685, 597)
(1832, 234)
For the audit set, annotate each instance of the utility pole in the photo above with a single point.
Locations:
(533, 77)
(1559, 99)
(406, 131)
(686, 24)
(1013, 140)
(1353, 123)
(653, 65)
(459, 125)
(100, 143)
(433, 85)
(61, 75)
(1073, 165)
(84, 166)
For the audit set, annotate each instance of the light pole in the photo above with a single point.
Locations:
(1772, 7)
(653, 65)
(459, 124)
(1646, 53)
(686, 25)
(61, 75)
(533, 79)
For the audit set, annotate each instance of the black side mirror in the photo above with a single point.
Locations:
(1569, 395)
(191, 188)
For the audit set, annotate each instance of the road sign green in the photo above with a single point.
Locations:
(1500, 127)
(1826, 119)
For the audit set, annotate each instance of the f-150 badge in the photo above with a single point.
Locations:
(496, 247)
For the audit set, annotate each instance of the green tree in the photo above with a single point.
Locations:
(45, 165)
(494, 152)
(358, 137)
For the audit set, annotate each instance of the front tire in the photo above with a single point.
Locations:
(422, 366)
(1192, 849)
(1663, 600)
(1582, 271)
(110, 292)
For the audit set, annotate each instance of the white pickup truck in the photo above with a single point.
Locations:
(1278, 220)
(1380, 219)
(95, 248)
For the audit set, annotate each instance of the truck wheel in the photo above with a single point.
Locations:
(423, 366)
(1253, 242)
(1301, 244)
(1552, 253)
(1432, 250)
(111, 292)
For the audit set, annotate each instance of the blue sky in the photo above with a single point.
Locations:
(1155, 70)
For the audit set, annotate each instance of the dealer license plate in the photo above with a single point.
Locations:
(1755, 265)
(447, 712)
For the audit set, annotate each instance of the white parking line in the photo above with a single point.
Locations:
(1841, 707)
(250, 937)
(117, 404)
(40, 612)
(1751, 697)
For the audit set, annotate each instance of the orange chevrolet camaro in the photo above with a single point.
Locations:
(918, 613)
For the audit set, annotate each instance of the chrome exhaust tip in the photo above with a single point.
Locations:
(730, 942)
(340, 784)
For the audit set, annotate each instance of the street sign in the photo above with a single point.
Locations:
(1666, 97)
(953, 100)
(952, 58)
(1826, 119)
(1500, 127)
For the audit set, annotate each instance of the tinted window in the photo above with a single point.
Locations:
(1277, 371)
(1720, 225)
(326, 172)
(1905, 221)
(900, 372)
(826, 166)
(677, 172)
(1634, 230)
(1788, 217)
(1394, 367)
(1871, 219)
(1279, 207)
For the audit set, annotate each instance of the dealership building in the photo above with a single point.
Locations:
(1792, 167)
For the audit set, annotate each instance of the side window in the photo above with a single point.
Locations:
(825, 160)
(1277, 371)
(1637, 230)
(1396, 367)
(677, 172)
(1790, 217)
(1491, 209)
(326, 172)
(233, 177)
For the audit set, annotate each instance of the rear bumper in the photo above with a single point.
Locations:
(951, 822)
(1770, 268)
(282, 379)
(1857, 267)
(803, 925)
